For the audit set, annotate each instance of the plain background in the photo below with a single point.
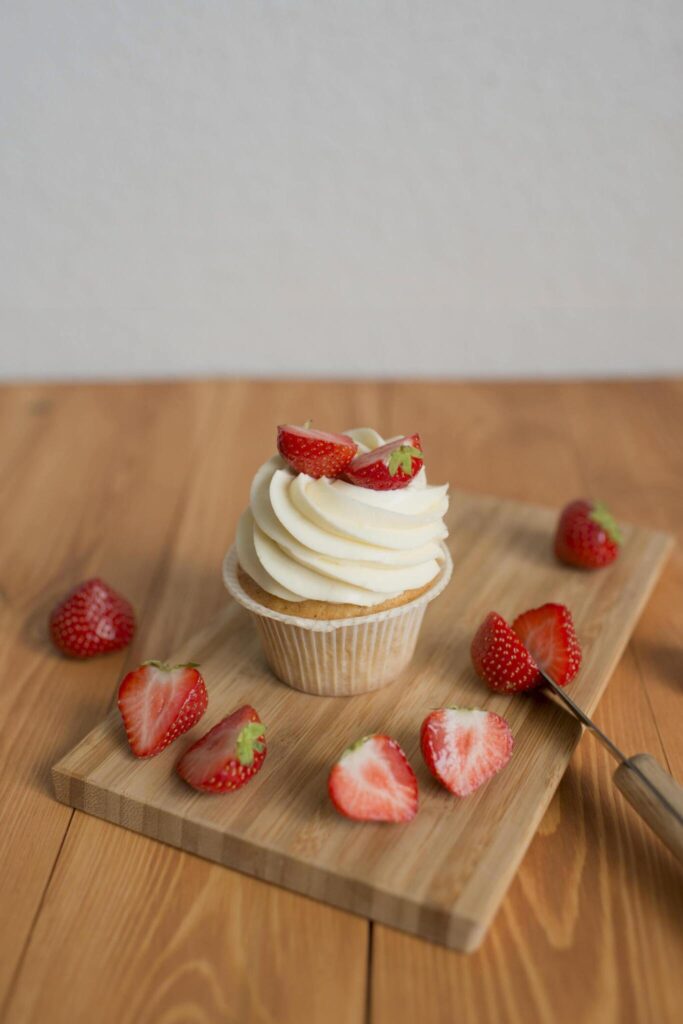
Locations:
(470, 187)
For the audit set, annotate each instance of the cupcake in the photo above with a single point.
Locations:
(338, 555)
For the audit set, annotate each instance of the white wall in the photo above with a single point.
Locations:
(479, 187)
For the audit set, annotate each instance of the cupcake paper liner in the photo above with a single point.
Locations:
(338, 657)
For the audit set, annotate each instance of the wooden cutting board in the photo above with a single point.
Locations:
(443, 875)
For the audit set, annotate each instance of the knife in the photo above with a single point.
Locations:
(650, 790)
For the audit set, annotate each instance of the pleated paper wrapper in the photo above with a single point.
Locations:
(342, 657)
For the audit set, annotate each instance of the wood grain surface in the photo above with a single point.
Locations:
(143, 484)
(441, 876)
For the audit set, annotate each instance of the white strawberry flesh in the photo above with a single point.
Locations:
(465, 747)
(373, 781)
(158, 703)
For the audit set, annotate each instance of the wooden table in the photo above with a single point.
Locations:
(142, 484)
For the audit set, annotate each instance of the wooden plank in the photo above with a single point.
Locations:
(646, 485)
(590, 928)
(135, 482)
(67, 472)
(163, 936)
(503, 558)
(543, 442)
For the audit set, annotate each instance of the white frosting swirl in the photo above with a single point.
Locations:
(329, 540)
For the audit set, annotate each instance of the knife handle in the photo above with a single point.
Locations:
(656, 796)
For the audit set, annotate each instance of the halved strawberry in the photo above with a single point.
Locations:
(464, 747)
(160, 702)
(228, 755)
(501, 659)
(389, 467)
(373, 781)
(548, 634)
(587, 535)
(313, 451)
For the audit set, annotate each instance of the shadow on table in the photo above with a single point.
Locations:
(613, 831)
(665, 661)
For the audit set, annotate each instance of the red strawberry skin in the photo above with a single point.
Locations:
(315, 452)
(587, 535)
(465, 747)
(92, 619)
(501, 659)
(549, 636)
(389, 467)
(158, 703)
(373, 781)
(228, 755)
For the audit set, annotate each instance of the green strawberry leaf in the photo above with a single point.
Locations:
(249, 740)
(356, 745)
(402, 458)
(604, 518)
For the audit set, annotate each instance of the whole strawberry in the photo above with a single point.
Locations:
(93, 619)
(587, 535)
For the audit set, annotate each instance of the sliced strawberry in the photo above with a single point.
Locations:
(387, 468)
(160, 702)
(501, 659)
(228, 755)
(587, 535)
(464, 747)
(373, 781)
(92, 619)
(314, 452)
(548, 634)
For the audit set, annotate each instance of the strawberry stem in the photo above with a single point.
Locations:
(601, 515)
(356, 745)
(249, 740)
(402, 458)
